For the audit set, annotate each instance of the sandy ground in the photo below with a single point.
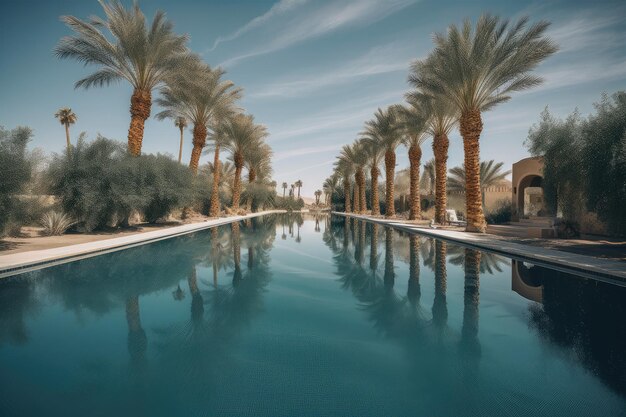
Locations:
(32, 240)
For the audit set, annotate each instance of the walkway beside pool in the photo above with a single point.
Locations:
(588, 266)
(18, 263)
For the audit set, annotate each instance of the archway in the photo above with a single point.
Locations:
(530, 201)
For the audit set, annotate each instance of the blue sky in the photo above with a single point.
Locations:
(312, 71)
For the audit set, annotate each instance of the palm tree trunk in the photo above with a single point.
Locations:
(67, 138)
(362, 200)
(199, 140)
(374, 172)
(415, 159)
(356, 200)
(414, 291)
(180, 149)
(440, 149)
(215, 187)
(390, 167)
(471, 127)
(346, 196)
(140, 104)
(237, 184)
(298, 192)
(251, 179)
(440, 308)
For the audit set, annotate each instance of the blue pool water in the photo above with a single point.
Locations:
(296, 316)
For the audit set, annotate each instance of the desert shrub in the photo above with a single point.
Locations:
(100, 185)
(15, 173)
(288, 203)
(501, 214)
(585, 162)
(55, 223)
(262, 195)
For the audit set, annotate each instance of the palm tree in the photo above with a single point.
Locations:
(299, 185)
(355, 156)
(258, 160)
(344, 169)
(373, 153)
(477, 69)
(284, 188)
(384, 129)
(181, 123)
(222, 177)
(429, 178)
(330, 187)
(412, 121)
(242, 134)
(292, 193)
(443, 116)
(205, 100)
(145, 56)
(318, 194)
(490, 175)
(67, 117)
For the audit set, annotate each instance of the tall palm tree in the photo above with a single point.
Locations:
(242, 134)
(318, 194)
(344, 169)
(217, 139)
(67, 117)
(412, 121)
(299, 185)
(490, 175)
(330, 187)
(443, 116)
(478, 68)
(205, 100)
(292, 193)
(258, 160)
(373, 153)
(429, 178)
(385, 130)
(181, 123)
(284, 188)
(145, 56)
(356, 157)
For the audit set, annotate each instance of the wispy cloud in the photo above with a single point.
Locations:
(305, 151)
(392, 57)
(346, 116)
(309, 167)
(278, 9)
(589, 29)
(328, 18)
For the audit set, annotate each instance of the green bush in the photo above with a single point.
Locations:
(55, 223)
(15, 173)
(501, 214)
(262, 195)
(100, 185)
(289, 204)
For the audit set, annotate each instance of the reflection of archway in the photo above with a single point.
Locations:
(531, 183)
(526, 281)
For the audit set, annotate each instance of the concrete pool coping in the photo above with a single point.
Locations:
(19, 263)
(600, 269)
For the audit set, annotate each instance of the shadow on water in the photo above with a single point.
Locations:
(581, 318)
(187, 352)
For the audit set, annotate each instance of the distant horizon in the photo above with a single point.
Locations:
(312, 72)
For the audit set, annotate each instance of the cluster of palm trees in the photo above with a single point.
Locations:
(153, 57)
(470, 70)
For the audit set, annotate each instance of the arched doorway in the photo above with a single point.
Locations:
(530, 201)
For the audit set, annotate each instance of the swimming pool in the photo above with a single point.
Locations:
(292, 315)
